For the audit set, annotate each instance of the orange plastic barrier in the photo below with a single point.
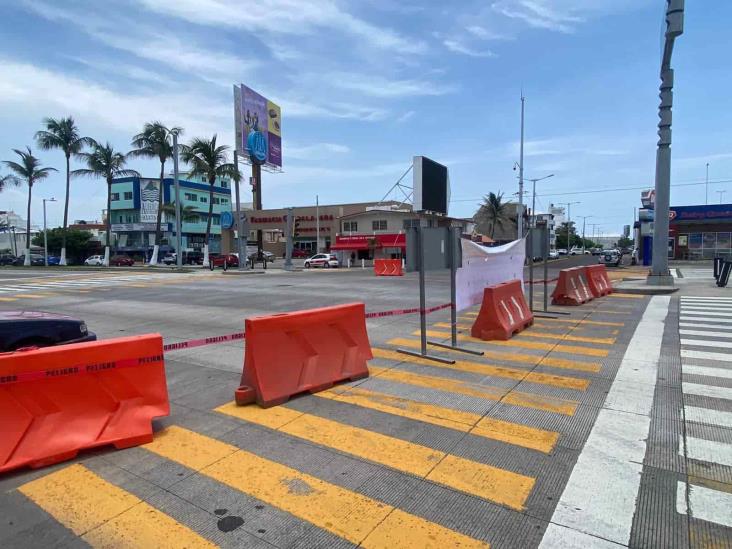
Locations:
(302, 351)
(572, 288)
(598, 281)
(504, 312)
(56, 401)
(388, 267)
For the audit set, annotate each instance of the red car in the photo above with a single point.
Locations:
(226, 260)
(297, 253)
(121, 261)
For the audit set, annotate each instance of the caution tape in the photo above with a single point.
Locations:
(92, 368)
(201, 342)
(397, 312)
(541, 281)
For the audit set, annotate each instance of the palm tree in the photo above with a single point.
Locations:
(28, 169)
(209, 161)
(7, 180)
(187, 213)
(104, 162)
(63, 134)
(493, 211)
(155, 141)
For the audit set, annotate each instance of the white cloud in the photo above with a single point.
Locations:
(285, 17)
(406, 116)
(376, 86)
(485, 34)
(456, 46)
(314, 150)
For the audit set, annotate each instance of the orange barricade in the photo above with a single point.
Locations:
(388, 267)
(572, 288)
(56, 401)
(598, 281)
(302, 351)
(504, 312)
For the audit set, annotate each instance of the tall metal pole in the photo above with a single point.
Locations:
(178, 209)
(720, 195)
(520, 221)
(239, 248)
(288, 238)
(317, 225)
(45, 236)
(660, 274)
(257, 176)
(706, 187)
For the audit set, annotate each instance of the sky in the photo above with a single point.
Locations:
(365, 86)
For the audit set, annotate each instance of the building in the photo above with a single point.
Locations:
(12, 233)
(700, 232)
(134, 208)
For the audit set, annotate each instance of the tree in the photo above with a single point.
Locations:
(493, 212)
(104, 162)
(187, 213)
(75, 241)
(210, 161)
(574, 239)
(29, 170)
(625, 242)
(63, 134)
(155, 141)
(7, 180)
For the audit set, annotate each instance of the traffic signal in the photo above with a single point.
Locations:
(296, 229)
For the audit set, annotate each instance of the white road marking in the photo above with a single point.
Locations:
(706, 504)
(706, 325)
(557, 536)
(706, 371)
(707, 343)
(707, 390)
(703, 312)
(707, 416)
(704, 298)
(705, 319)
(706, 450)
(727, 335)
(612, 457)
(691, 353)
(707, 307)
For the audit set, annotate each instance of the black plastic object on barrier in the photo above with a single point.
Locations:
(724, 274)
(717, 266)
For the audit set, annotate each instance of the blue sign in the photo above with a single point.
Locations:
(257, 146)
(227, 220)
(710, 212)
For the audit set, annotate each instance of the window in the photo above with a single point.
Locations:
(115, 196)
(130, 219)
(215, 200)
(225, 184)
(121, 219)
(378, 225)
(128, 195)
(410, 223)
(216, 220)
(203, 199)
(350, 226)
(193, 219)
(192, 197)
(224, 200)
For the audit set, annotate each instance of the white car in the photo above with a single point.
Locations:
(553, 254)
(95, 260)
(322, 260)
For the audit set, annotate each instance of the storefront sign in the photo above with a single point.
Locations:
(137, 227)
(716, 212)
(149, 201)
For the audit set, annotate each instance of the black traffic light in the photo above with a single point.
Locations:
(296, 229)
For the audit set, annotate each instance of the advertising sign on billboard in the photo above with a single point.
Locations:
(258, 127)
(149, 200)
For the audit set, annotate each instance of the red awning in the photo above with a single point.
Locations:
(361, 242)
(360, 245)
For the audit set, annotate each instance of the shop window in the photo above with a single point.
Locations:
(709, 241)
(695, 241)
(723, 241)
(350, 226)
(128, 195)
(378, 225)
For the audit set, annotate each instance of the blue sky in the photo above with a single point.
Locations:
(364, 86)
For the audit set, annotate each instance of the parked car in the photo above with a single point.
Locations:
(562, 251)
(596, 251)
(39, 329)
(53, 260)
(36, 260)
(322, 260)
(553, 254)
(222, 260)
(298, 253)
(269, 256)
(121, 261)
(7, 259)
(611, 258)
(95, 260)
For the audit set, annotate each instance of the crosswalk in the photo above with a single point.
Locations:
(389, 461)
(10, 289)
(705, 330)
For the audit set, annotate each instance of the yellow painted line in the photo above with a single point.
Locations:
(478, 479)
(8, 298)
(583, 321)
(352, 516)
(34, 296)
(545, 335)
(626, 296)
(563, 363)
(564, 382)
(104, 515)
(495, 429)
(607, 312)
(137, 285)
(574, 349)
(488, 392)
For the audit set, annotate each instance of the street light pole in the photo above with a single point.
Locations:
(706, 187)
(317, 225)
(720, 195)
(584, 221)
(178, 209)
(660, 274)
(45, 231)
(533, 195)
(520, 220)
(569, 220)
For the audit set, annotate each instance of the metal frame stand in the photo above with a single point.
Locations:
(546, 311)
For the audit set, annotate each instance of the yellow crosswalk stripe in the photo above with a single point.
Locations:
(478, 479)
(352, 516)
(104, 515)
(467, 422)
(564, 382)
(478, 390)
(572, 321)
(8, 298)
(573, 349)
(33, 296)
(533, 360)
(626, 296)
(532, 332)
(608, 312)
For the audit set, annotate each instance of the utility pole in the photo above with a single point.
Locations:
(317, 225)
(569, 219)
(45, 231)
(533, 197)
(520, 220)
(239, 248)
(706, 187)
(584, 221)
(178, 209)
(660, 274)
(720, 195)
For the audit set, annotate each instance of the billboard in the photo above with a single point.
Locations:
(431, 185)
(149, 200)
(258, 127)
